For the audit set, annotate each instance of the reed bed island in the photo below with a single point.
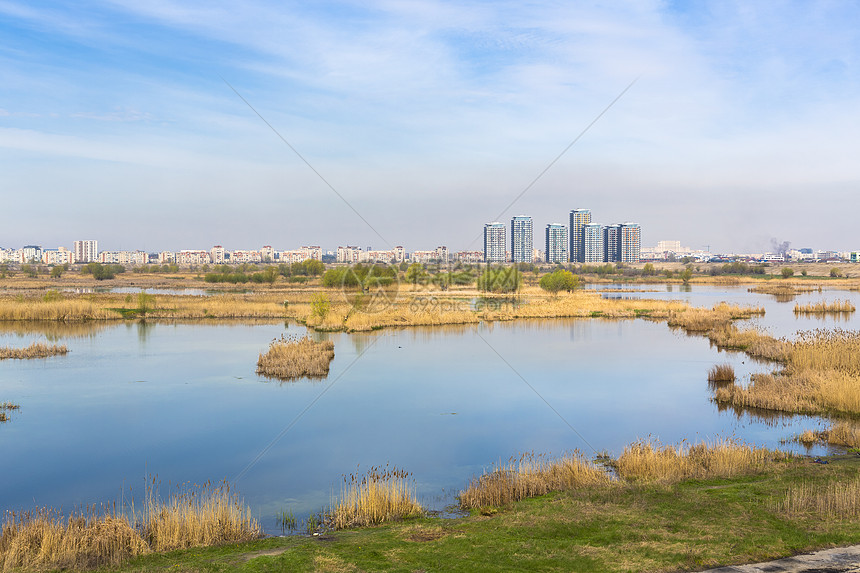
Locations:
(34, 350)
(292, 357)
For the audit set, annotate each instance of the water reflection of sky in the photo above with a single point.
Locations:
(182, 400)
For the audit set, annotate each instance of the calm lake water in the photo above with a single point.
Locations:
(182, 401)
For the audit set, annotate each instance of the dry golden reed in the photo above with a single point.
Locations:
(647, 460)
(838, 499)
(35, 350)
(114, 306)
(822, 376)
(845, 434)
(210, 514)
(804, 392)
(530, 475)
(382, 494)
(291, 357)
(4, 407)
(820, 349)
(783, 289)
(704, 320)
(44, 540)
(753, 342)
(96, 537)
(721, 373)
(824, 307)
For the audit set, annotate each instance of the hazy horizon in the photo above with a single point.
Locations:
(117, 122)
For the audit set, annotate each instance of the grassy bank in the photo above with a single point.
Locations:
(781, 508)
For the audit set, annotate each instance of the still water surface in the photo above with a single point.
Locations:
(182, 401)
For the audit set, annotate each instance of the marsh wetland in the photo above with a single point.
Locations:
(182, 400)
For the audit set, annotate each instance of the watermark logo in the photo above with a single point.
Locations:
(368, 288)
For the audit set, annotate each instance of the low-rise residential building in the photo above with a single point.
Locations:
(422, 256)
(31, 253)
(167, 258)
(218, 255)
(124, 258)
(469, 256)
(239, 257)
(348, 254)
(189, 258)
(59, 256)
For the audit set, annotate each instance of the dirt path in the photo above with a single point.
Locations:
(838, 560)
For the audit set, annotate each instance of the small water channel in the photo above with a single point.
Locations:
(182, 401)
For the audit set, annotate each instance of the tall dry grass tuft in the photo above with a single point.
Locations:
(804, 392)
(822, 376)
(824, 307)
(44, 540)
(721, 373)
(292, 357)
(4, 407)
(530, 475)
(783, 289)
(837, 499)
(704, 320)
(821, 349)
(210, 514)
(382, 494)
(99, 537)
(846, 434)
(647, 460)
(35, 350)
(755, 343)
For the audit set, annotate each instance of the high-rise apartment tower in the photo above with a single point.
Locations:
(494, 242)
(86, 251)
(592, 242)
(578, 219)
(630, 242)
(556, 243)
(522, 236)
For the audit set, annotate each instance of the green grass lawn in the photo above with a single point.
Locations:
(641, 527)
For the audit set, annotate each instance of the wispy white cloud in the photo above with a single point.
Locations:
(731, 95)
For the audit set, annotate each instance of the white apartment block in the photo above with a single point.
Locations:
(422, 256)
(60, 256)
(187, 258)
(469, 256)
(166, 258)
(267, 254)
(238, 257)
(386, 257)
(86, 251)
(348, 254)
(124, 258)
(301, 255)
(216, 254)
(442, 254)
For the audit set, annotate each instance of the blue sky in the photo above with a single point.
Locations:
(428, 118)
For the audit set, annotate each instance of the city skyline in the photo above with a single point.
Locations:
(124, 119)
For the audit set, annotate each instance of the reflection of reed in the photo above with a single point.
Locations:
(770, 418)
(824, 307)
(53, 330)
